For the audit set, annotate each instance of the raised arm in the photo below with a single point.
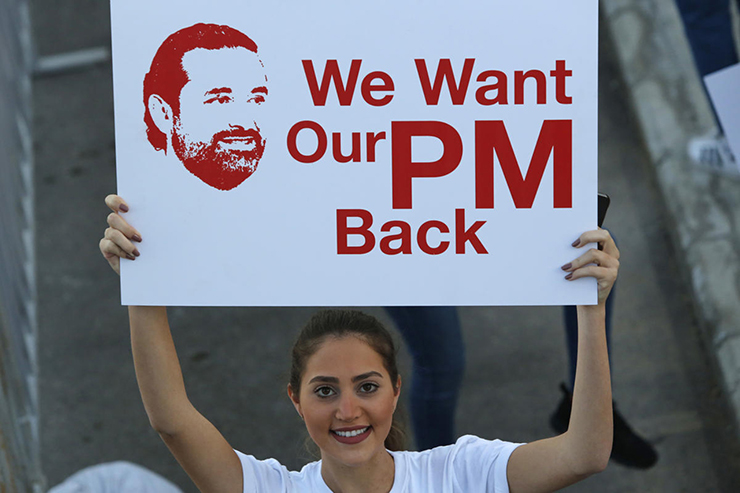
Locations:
(554, 463)
(196, 444)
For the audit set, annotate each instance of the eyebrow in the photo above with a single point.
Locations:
(321, 378)
(260, 89)
(219, 90)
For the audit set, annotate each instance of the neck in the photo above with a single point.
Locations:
(374, 476)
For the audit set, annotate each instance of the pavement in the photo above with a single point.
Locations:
(675, 329)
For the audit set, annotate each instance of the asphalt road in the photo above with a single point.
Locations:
(235, 361)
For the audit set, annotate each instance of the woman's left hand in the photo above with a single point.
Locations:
(601, 264)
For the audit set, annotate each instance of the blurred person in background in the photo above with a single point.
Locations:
(115, 477)
(708, 26)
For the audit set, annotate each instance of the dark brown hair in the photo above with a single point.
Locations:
(343, 323)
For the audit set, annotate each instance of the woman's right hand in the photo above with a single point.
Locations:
(119, 238)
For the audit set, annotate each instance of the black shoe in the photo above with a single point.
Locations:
(628, 448)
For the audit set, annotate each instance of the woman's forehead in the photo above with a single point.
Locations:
(344, 357)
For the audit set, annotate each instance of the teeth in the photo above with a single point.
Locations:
(354, 433)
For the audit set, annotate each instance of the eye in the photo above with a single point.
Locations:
(258, 98)
(324, 391)
(368, 387)
(218, 99)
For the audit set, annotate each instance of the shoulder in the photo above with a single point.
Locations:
(470, 464)
(480, 464)
(473, 445)
(269, 475)
(467, 445)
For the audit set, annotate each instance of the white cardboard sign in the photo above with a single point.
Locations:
(356, 153)
(724, 89)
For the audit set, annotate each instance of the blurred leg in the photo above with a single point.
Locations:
(434, 340)
(708, 25)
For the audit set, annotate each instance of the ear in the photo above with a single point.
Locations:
(161, 113)
(294, 399)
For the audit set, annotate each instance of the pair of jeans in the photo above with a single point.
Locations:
(708, 26)
(433, 337)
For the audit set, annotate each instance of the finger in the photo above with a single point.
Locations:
(592, 256)
(605, 278)
(600, 273)
(110, 250)
(116, 203)
(113, 254)
(600, 236)
(121, 241)
(115, 221)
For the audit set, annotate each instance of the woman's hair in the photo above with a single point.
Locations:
(343, 323)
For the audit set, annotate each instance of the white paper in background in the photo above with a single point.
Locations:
(274, 239)
(724, 90)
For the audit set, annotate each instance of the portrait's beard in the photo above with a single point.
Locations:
(216, 166)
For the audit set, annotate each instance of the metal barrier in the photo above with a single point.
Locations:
(20, 468)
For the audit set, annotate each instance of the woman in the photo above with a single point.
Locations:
(345, 387)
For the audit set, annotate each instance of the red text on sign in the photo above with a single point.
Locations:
(374, 82)
(555, 137)
(399, 239)
(491, 139)
(496, 87)
(338, 152)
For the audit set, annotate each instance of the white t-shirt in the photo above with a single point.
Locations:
(471, 465)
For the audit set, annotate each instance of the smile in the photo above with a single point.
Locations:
(353, 436)
(353, 433)
(230, 140)
(237, 143)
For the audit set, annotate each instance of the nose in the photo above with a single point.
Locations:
(347, 408)
(241, 117)
(244, 126)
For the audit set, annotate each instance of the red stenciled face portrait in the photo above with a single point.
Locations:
(206, 114)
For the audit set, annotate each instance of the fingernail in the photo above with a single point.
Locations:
(575, 243)
(568, 277)
(123, 208)
(567, 266)
(136, 252)
(136, 238)
(130, 257)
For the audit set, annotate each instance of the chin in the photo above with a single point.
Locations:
(352, 455)
(222, 177)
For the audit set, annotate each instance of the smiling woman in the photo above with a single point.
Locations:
(345, 385)
(344, 371)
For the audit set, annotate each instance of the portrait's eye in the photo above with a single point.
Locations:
(324, 391)
(368, 387)
(218, 99)
(258, 98)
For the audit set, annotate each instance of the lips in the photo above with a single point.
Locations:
(238, 139)
(237, 136)
(238, 144)
(351, 436)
